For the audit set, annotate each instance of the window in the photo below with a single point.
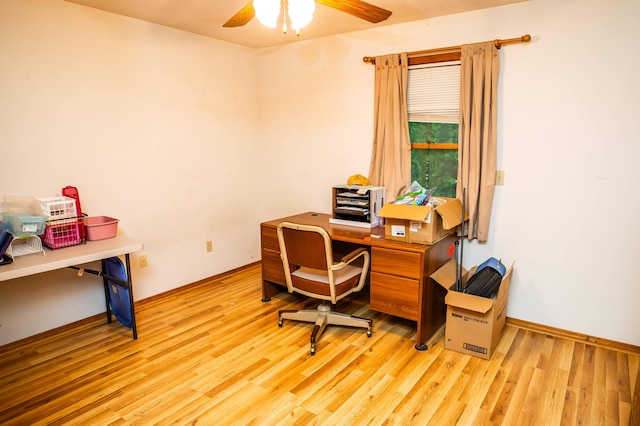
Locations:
(433, 104)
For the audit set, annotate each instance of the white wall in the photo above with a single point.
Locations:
(294, 120)
(568, 103)
(154, 126)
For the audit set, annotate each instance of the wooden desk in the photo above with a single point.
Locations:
(399, 278)
(66, 257)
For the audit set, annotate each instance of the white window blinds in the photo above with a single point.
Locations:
(434, 92)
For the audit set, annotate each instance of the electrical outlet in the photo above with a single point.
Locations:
(143, 261)
(499, 177)
(209, 246)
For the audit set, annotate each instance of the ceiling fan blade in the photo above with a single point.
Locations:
(359, 9)
(243, 16)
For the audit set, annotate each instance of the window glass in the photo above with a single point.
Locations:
(432, 167)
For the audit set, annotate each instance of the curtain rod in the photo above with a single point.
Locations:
(497, 42)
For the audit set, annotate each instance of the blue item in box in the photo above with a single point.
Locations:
(494, 263)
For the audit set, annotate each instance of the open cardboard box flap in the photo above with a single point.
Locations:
(405, 211)
(451, 213)
(468, 301)
(446, 277)
(449, 209)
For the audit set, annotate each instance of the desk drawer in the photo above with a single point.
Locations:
(272, 269)
(396, 262)
(394, 295)
(269, 238)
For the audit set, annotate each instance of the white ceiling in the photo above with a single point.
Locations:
(206, 17)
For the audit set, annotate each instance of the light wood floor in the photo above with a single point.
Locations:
(213, 354)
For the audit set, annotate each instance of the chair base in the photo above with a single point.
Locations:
(322, 317)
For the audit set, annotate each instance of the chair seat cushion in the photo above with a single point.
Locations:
(340, 276)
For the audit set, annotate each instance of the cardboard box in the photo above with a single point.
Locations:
(474, 324)
(421, 224)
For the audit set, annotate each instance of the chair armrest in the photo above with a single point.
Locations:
(353, 255)
(349, 258)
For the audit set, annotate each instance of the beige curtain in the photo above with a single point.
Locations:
(477, 134)
(391, 155)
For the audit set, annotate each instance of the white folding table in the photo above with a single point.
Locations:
(70, 257)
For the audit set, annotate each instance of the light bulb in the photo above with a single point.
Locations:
(267, 12)
(300, 12)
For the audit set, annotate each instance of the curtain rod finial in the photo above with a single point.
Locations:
(524, 39)
(369, 60)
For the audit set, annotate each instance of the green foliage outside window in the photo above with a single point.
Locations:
(435, 167)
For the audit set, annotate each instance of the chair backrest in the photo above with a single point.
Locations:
(309, 267)
(305, 245)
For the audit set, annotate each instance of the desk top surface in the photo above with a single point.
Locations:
(373, 237)
(91, 251)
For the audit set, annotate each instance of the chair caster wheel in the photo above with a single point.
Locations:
(368, 333)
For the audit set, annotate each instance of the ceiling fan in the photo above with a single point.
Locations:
(357, 8)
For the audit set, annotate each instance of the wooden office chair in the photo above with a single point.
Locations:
(307, 258)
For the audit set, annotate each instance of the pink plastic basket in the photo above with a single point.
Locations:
(62, 233)
(100, 227)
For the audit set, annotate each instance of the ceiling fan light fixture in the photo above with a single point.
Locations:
(267, 12)
(300, 12)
